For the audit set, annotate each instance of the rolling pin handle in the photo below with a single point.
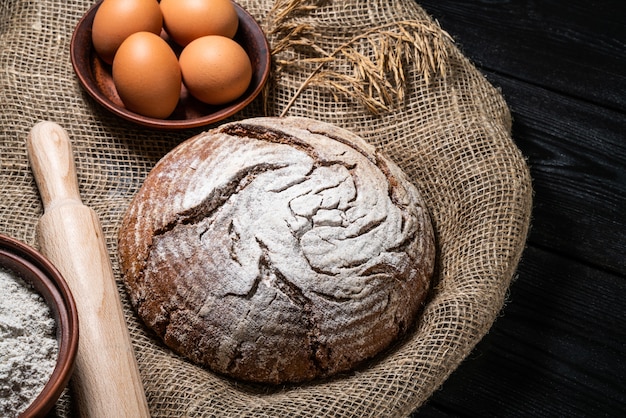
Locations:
(53, 166)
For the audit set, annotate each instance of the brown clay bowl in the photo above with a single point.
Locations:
(33, 268)
(95, 77)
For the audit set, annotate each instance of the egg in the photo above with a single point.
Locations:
(146, 75)
(215, 69)
(115, 20)
(186, 20)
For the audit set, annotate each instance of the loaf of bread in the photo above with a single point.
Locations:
(277, 250)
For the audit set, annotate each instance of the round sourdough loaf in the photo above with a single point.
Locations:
(277, 250)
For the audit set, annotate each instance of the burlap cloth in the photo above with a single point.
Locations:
(390, 74)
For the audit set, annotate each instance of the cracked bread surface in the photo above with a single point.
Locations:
(277, 250)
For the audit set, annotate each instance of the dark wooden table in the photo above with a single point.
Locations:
(559, 347)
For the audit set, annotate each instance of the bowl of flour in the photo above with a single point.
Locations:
(38, 331)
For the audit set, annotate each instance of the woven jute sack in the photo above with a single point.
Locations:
(383, 69)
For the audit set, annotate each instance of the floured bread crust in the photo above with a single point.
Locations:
(277, 250)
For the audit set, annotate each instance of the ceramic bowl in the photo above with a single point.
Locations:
(34, 268)
(95, 77)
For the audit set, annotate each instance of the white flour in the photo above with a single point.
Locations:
(28, 345)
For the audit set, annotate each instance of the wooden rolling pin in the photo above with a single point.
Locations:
(106, 381)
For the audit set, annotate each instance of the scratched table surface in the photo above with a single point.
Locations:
(558, 348)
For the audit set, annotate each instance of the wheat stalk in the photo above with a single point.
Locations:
(379, 78)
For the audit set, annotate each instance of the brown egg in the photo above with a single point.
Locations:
(215, 69)
(115, 20)
(186, 20)
(146, 75)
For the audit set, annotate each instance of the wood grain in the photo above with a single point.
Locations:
(106, 380)
(576, 152)
(552, 353)
(576, 48)
(557, 349)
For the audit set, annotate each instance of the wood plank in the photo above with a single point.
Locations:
(557, 349)
(577, 48)
(577, 157)
(575, 148)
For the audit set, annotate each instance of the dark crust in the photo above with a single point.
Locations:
(173, 317)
